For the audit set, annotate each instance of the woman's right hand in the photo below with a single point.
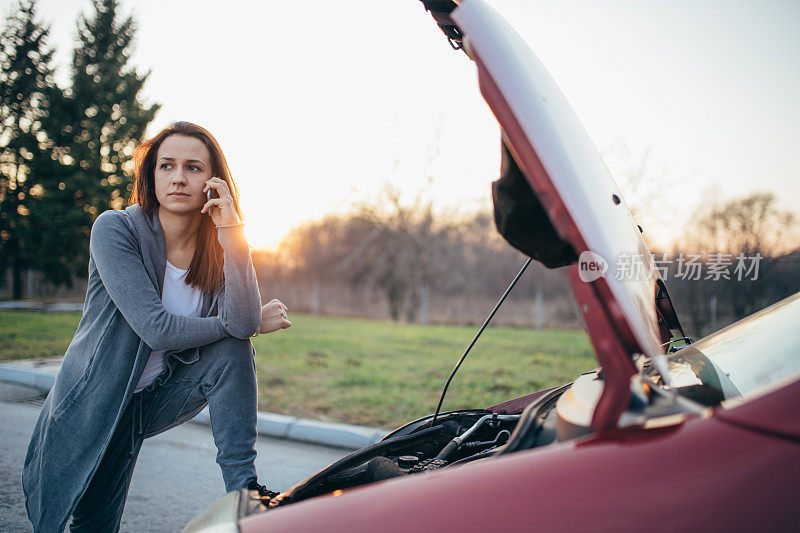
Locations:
(273, 317)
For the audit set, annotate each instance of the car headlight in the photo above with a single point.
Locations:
(224, 514)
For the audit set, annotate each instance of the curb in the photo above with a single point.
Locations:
(268, 424)
(19, 375)
(32, 305)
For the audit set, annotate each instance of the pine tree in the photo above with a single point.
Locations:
(102, 115)
(65, 155)
(26, 83)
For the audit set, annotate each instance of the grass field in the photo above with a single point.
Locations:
(364, 371)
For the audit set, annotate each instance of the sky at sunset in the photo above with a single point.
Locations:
(317, 106)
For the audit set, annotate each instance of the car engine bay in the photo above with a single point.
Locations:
(456, 438)
(415, 448)
(459, 437)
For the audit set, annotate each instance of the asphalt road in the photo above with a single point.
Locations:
(175, 478)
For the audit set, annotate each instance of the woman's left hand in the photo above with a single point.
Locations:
(221, 208)
(273, 317)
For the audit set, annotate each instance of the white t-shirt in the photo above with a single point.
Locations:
(179, 299)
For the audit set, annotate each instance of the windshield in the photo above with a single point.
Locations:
(742, 359)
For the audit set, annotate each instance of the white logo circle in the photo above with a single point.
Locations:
(591, 266)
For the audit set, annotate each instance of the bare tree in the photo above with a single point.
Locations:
(748, 225)
(402, 249)
(749, 232)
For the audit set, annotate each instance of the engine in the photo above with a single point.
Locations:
(455, 438)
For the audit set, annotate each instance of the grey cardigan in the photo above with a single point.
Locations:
(123, 320)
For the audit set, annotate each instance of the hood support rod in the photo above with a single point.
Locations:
(471, 344)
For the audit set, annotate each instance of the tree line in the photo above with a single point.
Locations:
(412, 252)
(752, 228)
(407, 252)
(65, 150)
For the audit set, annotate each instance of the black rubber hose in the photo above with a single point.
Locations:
(447, 450)
(309, 486)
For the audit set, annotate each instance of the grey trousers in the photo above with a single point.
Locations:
(224, 378)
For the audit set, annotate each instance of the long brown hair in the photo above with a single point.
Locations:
(205, 270)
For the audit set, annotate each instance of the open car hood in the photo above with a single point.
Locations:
(558, 203)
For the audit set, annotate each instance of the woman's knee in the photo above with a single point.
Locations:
(232, 345)
(230, 351)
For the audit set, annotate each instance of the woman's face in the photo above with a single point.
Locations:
(183, 165)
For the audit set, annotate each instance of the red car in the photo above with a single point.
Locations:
(666, 435)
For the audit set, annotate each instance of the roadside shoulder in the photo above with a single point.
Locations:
(41, 375)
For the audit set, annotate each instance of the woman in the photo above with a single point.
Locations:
(171, 303)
